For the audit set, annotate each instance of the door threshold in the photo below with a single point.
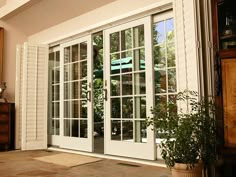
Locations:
(157, 163)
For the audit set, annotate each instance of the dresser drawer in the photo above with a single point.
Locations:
(4, 118)
(4, 128)
(4, 107)
(4, 139)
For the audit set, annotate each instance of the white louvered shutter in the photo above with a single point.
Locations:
(31, 106)
(186, 45)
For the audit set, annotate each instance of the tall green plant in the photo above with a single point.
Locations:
(188, 131)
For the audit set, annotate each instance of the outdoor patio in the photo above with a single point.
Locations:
(31, 163)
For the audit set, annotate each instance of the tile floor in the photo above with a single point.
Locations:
(23, 164)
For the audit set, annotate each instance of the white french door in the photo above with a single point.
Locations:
(71, 118)
(129, 90)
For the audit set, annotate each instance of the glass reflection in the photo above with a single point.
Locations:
(127, 107)
(127, 84)
(83, 51)
(139, 83)
(75, 128)
(159, 33)
(115, 108)
(172, 80)
(114, 42)
(83, 129)
(115, 130)
(171, 55)
(140, 131)
(160, 99)
(160, 81)
(140, 107)
(115, 85)
(66, 127)
(75, 50)
(138, 36)
(159, 57)
(139, 59)
(127, 130)
(126, 39)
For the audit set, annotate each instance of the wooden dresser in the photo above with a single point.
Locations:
(7, 126)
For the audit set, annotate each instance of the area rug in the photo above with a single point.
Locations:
(67, 159)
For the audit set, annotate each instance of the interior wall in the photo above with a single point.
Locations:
(12, 37)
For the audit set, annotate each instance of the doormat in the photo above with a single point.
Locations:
(67, 159)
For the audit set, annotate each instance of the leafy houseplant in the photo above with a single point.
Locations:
(187, 129)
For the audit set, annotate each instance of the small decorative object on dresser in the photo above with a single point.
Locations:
(7, 126)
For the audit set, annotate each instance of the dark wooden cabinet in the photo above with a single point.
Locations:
(7, 125)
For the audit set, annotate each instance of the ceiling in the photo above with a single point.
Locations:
(47, 13)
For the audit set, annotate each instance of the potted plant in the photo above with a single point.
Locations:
(187, 129)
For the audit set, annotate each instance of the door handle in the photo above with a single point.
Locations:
(105, 94)
(88, 96)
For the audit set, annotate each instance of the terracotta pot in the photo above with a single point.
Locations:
(180, 170)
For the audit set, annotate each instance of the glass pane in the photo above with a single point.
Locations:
(160, 81)
(115, 85)
(66, 91)
(159, 33)
(140, 107)
(67, 55)
(170, 30)
(66, 73)
(83, 129)
(139, 59)
(56, 92)
(74, 109)
(139, 36)
(126, 54)
(115, 63)
(115, 108)
(139, 83)
(159, 57)
(172, 80)
(66, 109)
(127, 130)
(75, 71)
(127, 88)
(51, 127)
(140, 131)
(75, 90)
(160, 99)
(126, 62)
(84, 69)
(75, 128)
(126, 39)
(56, 109)
(66, 127)
(114, 42)
(127, 107)
(83, 109)
(57, 128)
(51, 59)
(83, 89)
(83, 51)
(56, 75)
(171, 55)
(51, 110)
(75, 50)
(115, 130)
(57, 63)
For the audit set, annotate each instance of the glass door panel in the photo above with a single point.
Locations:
(127, 88)
(71, 96)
